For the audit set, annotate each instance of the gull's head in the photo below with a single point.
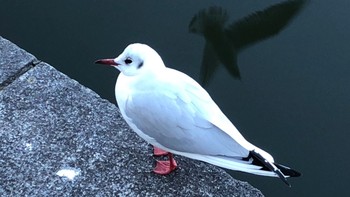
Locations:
(136, 59)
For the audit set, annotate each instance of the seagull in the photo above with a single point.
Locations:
(171, 111)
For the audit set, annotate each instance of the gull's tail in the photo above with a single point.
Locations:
(280, 170)
(254, 163)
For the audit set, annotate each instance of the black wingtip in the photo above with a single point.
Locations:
(282, 177)
(288, 171)
(281, 171)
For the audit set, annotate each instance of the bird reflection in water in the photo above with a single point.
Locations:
(223, 42)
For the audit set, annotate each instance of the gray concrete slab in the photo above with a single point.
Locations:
(13, 60)
(49, 122)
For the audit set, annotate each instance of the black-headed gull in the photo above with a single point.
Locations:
(172, 111)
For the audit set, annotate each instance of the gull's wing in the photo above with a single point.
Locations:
(180, 115)
(263, 24)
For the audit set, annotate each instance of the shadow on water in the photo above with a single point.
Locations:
(223, 43)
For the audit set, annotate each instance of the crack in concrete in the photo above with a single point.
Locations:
(19, 73)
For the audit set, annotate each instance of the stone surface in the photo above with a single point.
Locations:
(13, 60)
(50, 122)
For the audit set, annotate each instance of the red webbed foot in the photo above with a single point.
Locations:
(159, 152)
(165, 167)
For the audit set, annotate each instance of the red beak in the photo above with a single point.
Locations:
(106, 62)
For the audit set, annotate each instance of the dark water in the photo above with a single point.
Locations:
(293, 96)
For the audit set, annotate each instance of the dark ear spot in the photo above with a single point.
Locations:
(140, 65)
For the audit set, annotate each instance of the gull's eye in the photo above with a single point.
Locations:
(128, 61)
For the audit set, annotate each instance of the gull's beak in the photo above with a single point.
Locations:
(110, 62)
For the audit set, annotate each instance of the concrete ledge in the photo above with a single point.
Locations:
(13, 60)
(50, 122)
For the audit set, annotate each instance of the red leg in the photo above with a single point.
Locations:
(165, 167)
(159, 152)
